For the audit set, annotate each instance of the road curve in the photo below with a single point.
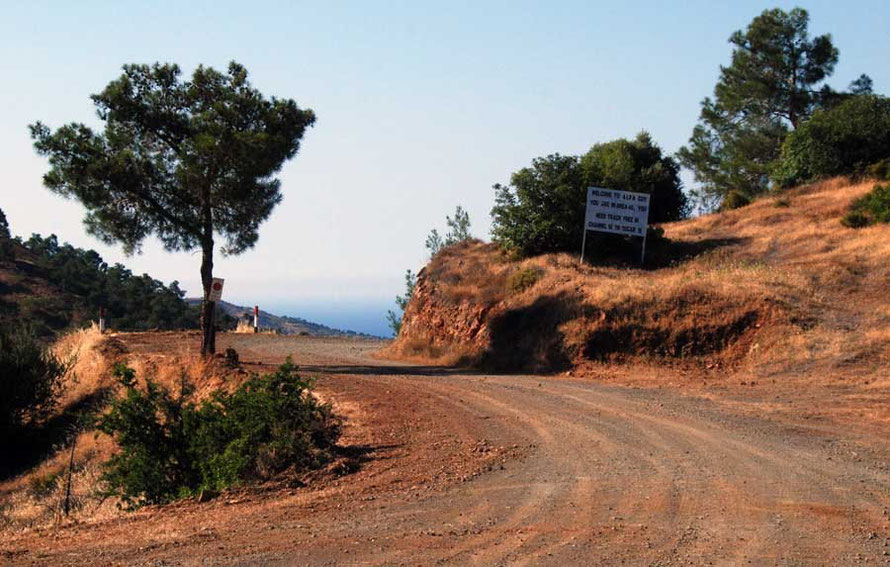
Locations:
(590, 474)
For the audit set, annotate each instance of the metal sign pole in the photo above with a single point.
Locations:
(643, 253)
(583, 244)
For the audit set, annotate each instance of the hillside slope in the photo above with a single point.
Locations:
(28, 294)
(774, 287)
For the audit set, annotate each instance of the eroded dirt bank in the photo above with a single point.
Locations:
(465, 468)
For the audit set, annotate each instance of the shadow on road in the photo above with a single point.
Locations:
(389, 370)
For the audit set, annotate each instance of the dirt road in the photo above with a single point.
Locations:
(461, 468)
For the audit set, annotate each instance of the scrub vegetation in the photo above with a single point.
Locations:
(171, 447)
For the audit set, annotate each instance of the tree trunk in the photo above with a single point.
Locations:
(208, 328)
(208, 335)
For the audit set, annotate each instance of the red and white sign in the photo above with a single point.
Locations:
(216, 289)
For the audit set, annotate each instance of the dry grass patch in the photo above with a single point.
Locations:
(777, 286)
(36, 497)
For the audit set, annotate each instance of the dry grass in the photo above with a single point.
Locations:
(35, 498)
(775, 286)
(90, 373)
(246, 327)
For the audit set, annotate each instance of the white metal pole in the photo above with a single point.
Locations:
(256, 318)
(583, 242)
(643, 253)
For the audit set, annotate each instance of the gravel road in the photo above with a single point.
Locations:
(460, 468)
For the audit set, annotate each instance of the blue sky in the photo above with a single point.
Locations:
(421, 106)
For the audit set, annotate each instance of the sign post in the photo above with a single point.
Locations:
(256, 318)
(216, 288)
(616, 212)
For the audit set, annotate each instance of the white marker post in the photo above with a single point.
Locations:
(616, 212)
(216, 288)
(256, 318)
(102, 320)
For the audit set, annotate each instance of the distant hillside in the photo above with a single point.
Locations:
(29, 295)
(282, 324)
(52, 286)
(776, 287)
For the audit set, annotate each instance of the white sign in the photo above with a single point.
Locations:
(618, 212)
(216, 289)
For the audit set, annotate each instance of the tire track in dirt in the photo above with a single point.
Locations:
(604, 475)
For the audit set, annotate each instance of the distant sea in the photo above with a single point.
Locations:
(363, 316)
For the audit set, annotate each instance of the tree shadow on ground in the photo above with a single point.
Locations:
(664, 253)
(528, 339)
(388, 370)
(29, 447)
(661, 252)
(362, 454)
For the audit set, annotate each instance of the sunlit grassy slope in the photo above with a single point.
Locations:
(777, 286)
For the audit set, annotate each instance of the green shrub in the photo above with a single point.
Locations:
(871, 208)
(734, 200)
(854, 219)
(30, 382)
(171, 447)
(522, 279)
(880, 169)
(543, 208)
(43, 485)
(845, 139)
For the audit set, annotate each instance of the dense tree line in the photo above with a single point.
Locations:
(131, 302)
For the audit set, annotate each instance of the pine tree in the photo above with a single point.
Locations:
(769, 88)
(184, 160)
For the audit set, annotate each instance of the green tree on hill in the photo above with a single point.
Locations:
(543, 208)
(458, 231)
(638, 165)
(770, 87)
(393, 319)
(184, 160)
(4, 225)
(847, 138)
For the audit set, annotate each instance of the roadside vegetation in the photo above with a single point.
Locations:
(458, 231)
(871, 208)
(30, 385)
(171, 447)
(852, 138)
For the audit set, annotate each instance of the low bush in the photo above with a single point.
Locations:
(880, 169)
(30, 383)
(871, 208)
(42, 486)
(171, 447)
(522, 279)
(845, 139)
(735, 200)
